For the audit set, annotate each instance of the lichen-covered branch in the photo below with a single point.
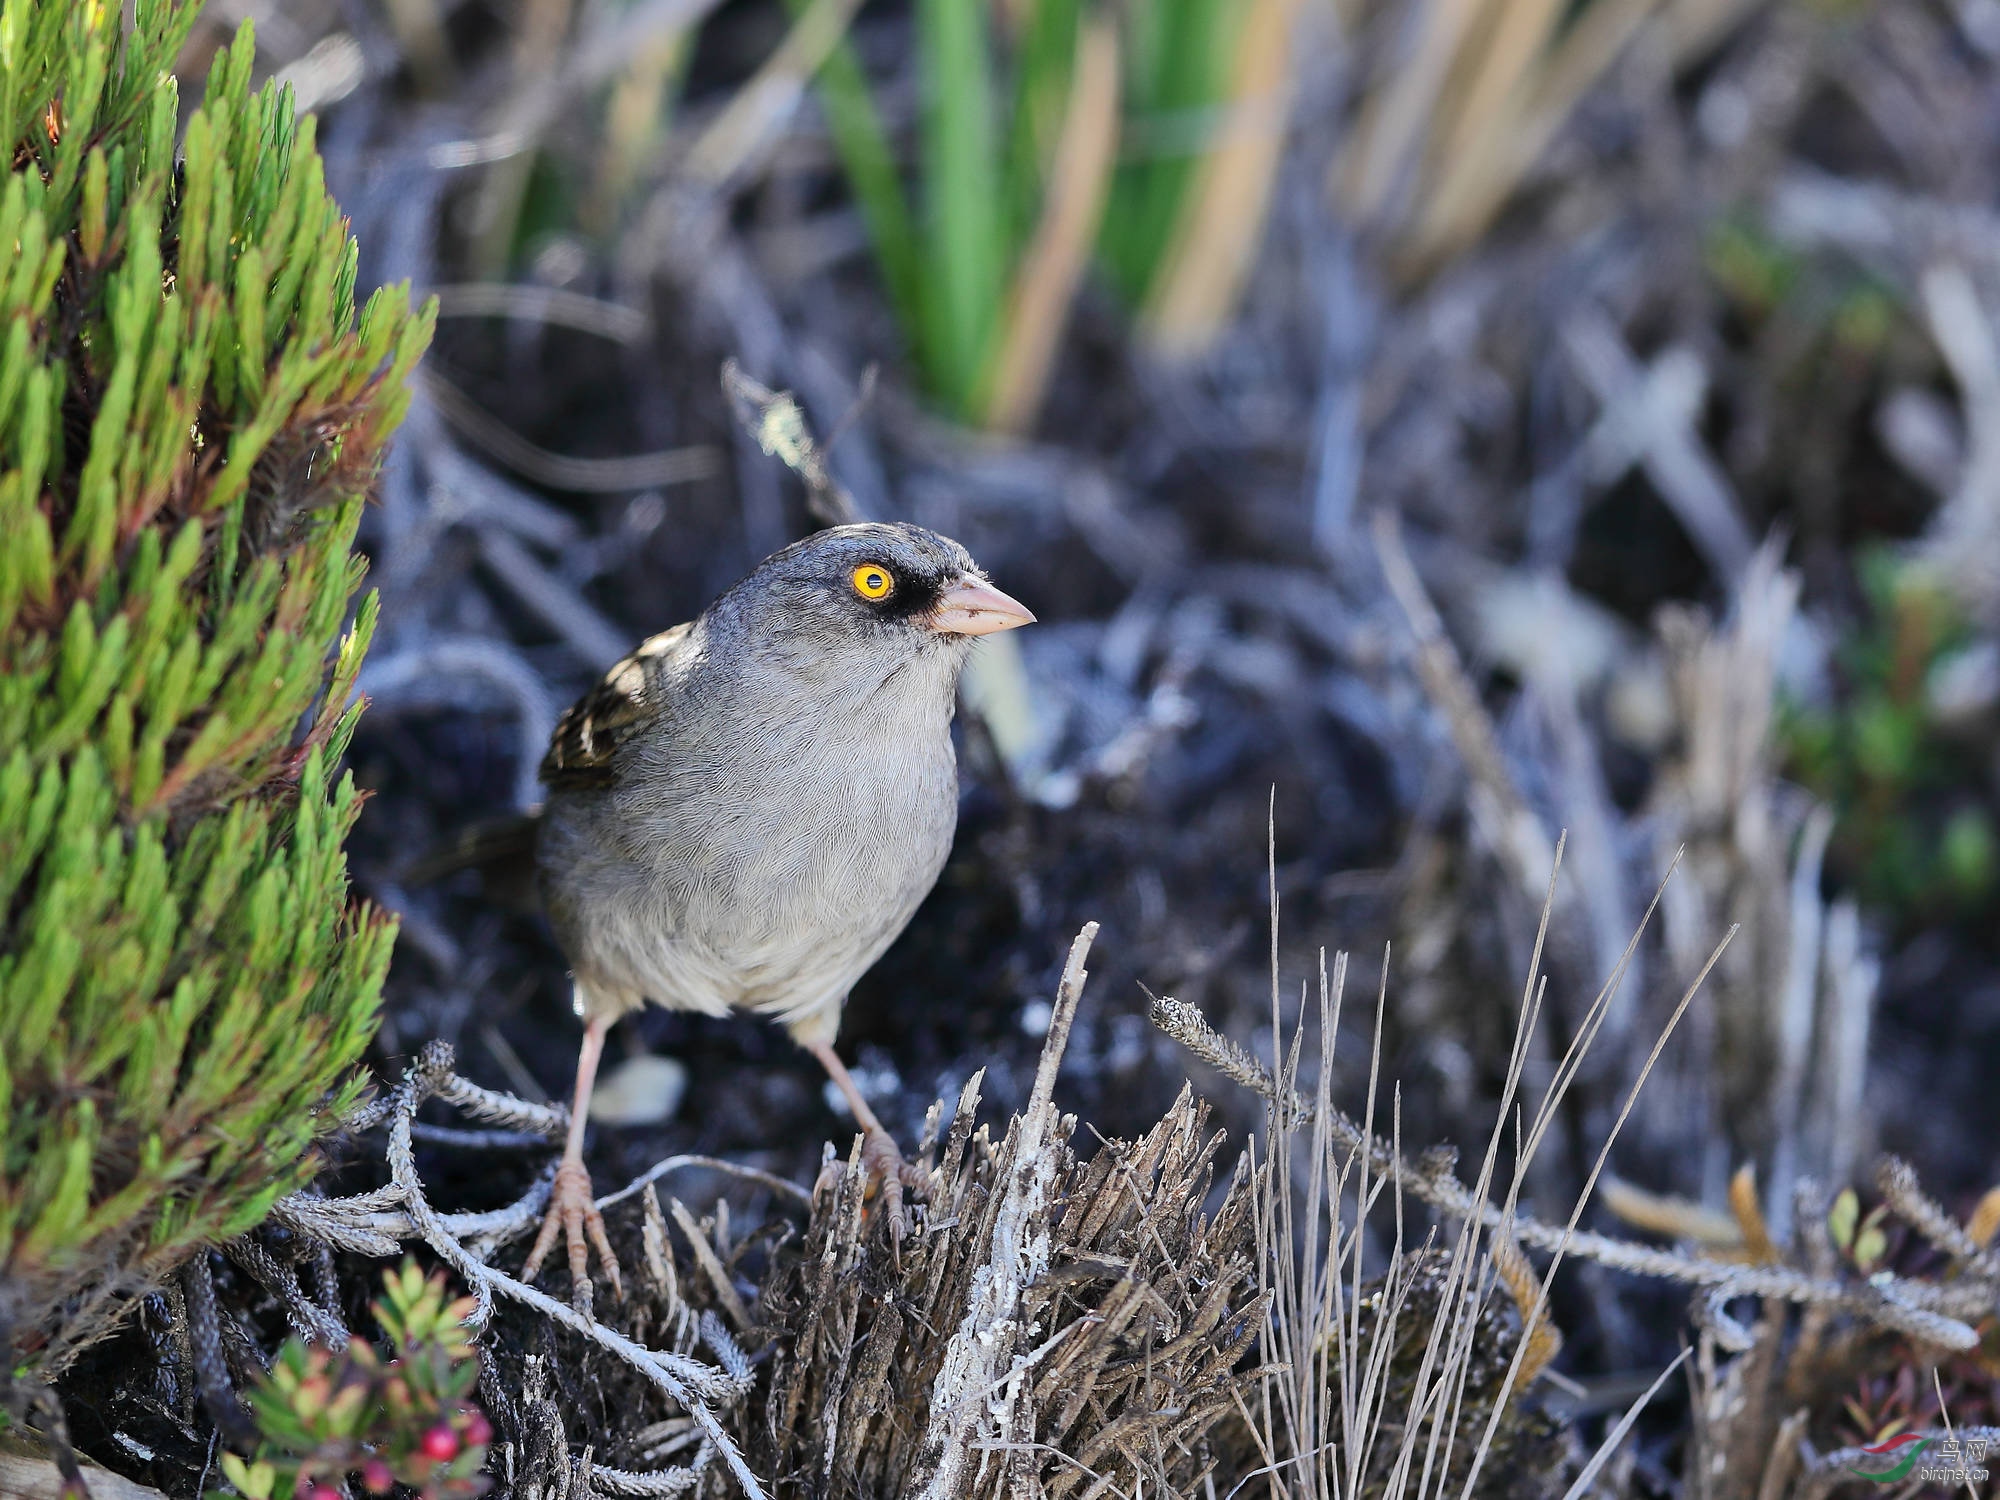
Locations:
(378, 1223)
(1941, 1313)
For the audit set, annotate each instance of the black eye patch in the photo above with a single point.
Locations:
(912, 596)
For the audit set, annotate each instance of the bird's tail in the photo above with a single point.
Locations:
(502, 846)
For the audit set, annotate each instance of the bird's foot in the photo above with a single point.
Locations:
(882, 1165)
(573, 1213)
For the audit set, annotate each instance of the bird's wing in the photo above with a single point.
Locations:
(590, 732)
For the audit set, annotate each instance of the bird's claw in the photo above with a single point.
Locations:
(882, 1163)
(573, 1213)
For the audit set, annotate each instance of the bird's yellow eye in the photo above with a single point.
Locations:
(872, 581)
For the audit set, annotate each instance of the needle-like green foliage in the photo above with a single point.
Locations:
(190, 414)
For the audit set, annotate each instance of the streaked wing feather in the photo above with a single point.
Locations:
(590, 731)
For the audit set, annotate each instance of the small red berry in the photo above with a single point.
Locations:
(478, 1431)
(324, 1492)
(440, 1444)
(377, 1478)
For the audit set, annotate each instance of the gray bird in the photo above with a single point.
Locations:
(746, 811)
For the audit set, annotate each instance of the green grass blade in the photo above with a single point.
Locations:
(870, 164)
(1178, 56)
(966, 264)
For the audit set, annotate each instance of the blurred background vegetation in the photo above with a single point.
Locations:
(1424, 427)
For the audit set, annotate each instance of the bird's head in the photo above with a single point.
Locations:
(889, 591)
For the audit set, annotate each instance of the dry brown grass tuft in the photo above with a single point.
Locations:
(1065, 1324)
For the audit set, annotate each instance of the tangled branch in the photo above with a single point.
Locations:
(379, 1222)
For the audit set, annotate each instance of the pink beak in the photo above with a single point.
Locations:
(973, 606)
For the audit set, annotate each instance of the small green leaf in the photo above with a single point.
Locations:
(1968, 852)
(1869, 1247)
(1842, 1217)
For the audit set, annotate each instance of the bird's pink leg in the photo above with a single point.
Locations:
(879, 1157)
(572, 1207)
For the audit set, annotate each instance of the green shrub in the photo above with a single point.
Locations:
(403, 1415)
(1910, 836)
(189, 418)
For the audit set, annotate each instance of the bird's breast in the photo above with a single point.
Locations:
(789, 850)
